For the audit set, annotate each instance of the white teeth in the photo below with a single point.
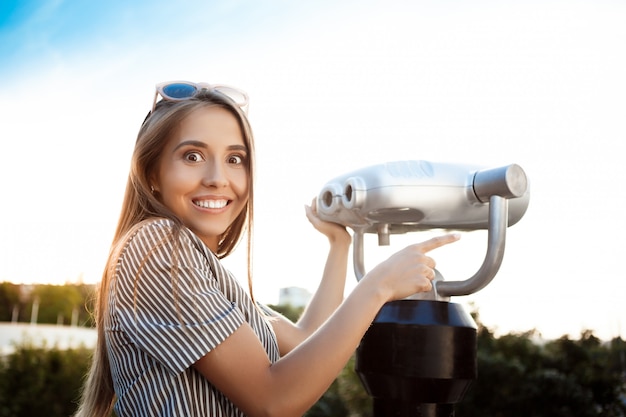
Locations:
(211, 204)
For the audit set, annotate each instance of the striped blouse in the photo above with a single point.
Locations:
(160, 322)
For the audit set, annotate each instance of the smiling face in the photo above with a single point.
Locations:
(202, 175)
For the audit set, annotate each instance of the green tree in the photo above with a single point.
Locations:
(352, 391)
(86, 308)
(9, 298)
(287, 310)
(57, 302)
(54, 303)
(520, 377)
(587, 361)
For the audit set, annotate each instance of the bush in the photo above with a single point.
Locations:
(516, 377)
(39, 381)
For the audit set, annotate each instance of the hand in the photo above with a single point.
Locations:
(333, 231)
(409, 270)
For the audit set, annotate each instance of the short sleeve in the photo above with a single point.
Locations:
(169, 299)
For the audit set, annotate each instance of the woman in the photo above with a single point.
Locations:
(177, 335)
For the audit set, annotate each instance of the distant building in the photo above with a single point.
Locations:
(294, 296)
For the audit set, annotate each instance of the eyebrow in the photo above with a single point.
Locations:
(201, 144)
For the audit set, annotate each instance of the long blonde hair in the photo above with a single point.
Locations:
(140, 204)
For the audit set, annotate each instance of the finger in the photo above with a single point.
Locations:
(429, 262)
(309, 212)
(437, 242)
(425, 271)
(428, 272)
(425, 286)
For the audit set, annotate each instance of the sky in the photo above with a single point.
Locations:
(334, 86)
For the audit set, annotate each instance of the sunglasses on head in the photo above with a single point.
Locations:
(182, 90)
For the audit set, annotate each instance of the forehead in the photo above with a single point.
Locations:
(210, 124)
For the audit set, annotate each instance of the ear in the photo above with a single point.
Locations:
(154, 184)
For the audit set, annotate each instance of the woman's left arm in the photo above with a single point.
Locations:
(329, 294)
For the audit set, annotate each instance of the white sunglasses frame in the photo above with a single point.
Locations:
(221, 88)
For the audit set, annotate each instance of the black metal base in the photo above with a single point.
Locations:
(418, 358)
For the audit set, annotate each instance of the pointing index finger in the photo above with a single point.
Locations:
(438, 241)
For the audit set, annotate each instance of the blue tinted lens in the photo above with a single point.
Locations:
(179, 90)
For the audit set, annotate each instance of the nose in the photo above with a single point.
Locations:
(215, 175)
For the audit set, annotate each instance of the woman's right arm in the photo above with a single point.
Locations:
(240, 368)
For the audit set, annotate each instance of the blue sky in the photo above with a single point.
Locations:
(40, 31)
(334, 86)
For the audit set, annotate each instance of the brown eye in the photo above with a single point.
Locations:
(194, 157)
(236, 159)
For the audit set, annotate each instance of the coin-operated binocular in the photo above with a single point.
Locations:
(418, 358)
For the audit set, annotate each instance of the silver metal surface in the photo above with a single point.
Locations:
(407, 196)
(496, 239)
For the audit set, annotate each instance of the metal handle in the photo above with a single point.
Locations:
(496, 239)
(358, 254)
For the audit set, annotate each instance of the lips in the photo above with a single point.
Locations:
(211, 204)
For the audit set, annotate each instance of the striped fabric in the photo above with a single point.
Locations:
(159, 323)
